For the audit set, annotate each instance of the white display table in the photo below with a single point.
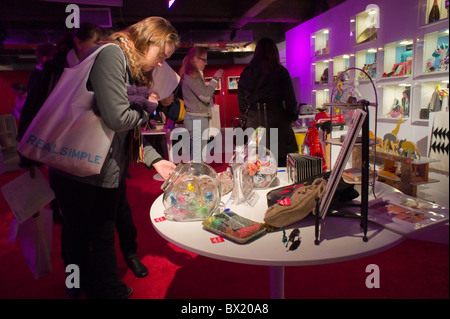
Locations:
(340, 240)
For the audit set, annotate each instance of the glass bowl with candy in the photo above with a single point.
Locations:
(192, 192)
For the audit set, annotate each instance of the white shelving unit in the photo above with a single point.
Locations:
(366, 60)
(321, 42)
(396, 100)
(394, 41)
(340, 64)
(321, 97)
(321, 68)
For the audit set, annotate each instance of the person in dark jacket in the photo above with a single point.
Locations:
(266, 82)
(52, 60)
(69, 51)
(44, 52)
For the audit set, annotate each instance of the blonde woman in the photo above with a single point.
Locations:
(197, 98)
(89, 204)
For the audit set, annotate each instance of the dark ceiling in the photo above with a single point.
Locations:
(222, 23)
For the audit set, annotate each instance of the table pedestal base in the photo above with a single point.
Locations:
(276, 274)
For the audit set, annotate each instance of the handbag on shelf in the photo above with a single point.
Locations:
(66, 134)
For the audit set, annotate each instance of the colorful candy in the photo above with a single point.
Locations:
(232, 225)
(209, 196)
(173, 200)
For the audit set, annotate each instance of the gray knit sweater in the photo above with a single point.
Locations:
(109, 80)
(197, 96)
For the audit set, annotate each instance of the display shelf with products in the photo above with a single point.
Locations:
(320, 41)
(321, 72)
(401, 172)
(432, 11)
(397, 59)
(367, 61)
(435, 53)
(320, 97)
(429, 96)
(340, 64)
(396, 101)
(364, 25)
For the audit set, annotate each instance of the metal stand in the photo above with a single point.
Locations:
(364, 105)
(317, 225)
(364, 172)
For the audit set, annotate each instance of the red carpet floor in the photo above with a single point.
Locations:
(411, 270)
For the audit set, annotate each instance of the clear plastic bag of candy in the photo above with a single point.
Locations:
(192, 192)
(226, 180)
(234, 227)
(254, 167)
(260, 167)
(259, 163)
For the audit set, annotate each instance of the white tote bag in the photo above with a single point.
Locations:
(66, 134)
(35, 236)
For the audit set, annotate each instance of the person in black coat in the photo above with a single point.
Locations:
(266, 81)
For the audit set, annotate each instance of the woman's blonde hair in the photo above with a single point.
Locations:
(188, 66)
(136, 39)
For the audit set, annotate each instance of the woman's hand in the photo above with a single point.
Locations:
(218, 73)
(153, 98)
(152, 103)
(167, 101)
(164, 168)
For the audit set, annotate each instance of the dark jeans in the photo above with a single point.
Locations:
(88, 229)
(124, 223)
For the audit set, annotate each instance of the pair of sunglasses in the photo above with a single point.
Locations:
(294, 239)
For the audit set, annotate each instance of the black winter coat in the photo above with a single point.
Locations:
(276, 91)
(43, 84)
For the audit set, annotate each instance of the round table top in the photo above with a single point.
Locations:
(341, 238)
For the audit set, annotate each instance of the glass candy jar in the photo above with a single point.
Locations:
(192, 192)
(260, 167)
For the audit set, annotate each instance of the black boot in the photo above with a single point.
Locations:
(136, 266)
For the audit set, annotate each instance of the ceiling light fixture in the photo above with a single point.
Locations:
(170, 3)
